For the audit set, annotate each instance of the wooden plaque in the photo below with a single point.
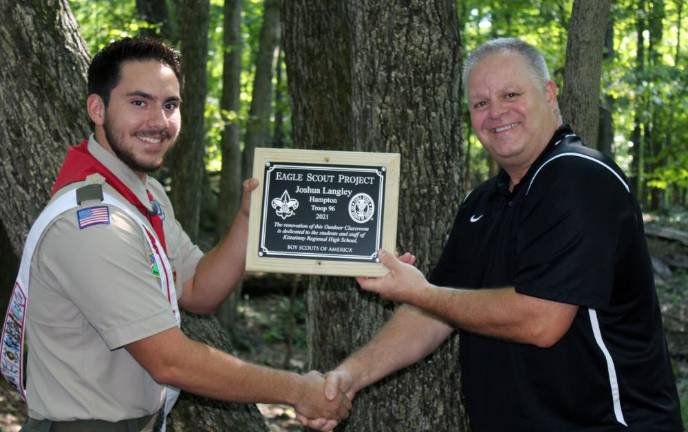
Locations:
(322, 212)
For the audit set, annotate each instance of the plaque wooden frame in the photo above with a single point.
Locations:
(321, 159)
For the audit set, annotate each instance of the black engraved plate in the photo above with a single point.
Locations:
(323, 212)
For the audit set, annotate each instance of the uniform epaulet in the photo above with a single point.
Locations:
(93, 190)
(90, 192)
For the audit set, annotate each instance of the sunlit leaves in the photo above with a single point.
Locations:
(101, 22)
(657, 93)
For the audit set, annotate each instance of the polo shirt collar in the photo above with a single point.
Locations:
(121, 170)
(503, 180)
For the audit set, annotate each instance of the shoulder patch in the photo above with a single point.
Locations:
(93, 216)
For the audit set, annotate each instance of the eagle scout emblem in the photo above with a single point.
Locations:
(361, 208)
(285, 205)
(93, 216)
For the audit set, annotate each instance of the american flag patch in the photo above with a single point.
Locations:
(93, 216)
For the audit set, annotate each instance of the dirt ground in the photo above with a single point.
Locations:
(12, 409)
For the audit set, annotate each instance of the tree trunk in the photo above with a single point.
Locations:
(466, 183)
(605, 131)
(678, 189)
(156, 13)
(230, 176)
(278, 134)
(369, 76)
(39, 116)
(637, 134)
(655, 129)
(9, 263)
(230, 104)
(188, 167)
(194, 413)
(605, 135)
(41, 105)
(580, 98)
(43, 76)
(679, 24)
(258, 125)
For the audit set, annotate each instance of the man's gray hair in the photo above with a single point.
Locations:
(534, 59)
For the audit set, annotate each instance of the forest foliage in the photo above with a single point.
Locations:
(643, 84)
(644, 79)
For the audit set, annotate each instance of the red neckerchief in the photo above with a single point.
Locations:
(79, 164)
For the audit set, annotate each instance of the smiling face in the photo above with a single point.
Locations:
(141, 120)
(512, 114)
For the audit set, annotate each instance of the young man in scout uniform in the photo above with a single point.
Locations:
(107, 262)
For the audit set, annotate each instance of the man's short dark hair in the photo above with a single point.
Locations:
(104, 71)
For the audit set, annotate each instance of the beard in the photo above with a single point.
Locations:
(127, 156)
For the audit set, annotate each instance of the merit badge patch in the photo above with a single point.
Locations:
(93, 216)
(157, 209)
(12, 339)
(155, 271)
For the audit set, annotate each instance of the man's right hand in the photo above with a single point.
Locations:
(404, 283)
(337, 382)
(314, 407)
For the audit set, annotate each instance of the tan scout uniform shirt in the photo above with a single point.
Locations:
(92, 292)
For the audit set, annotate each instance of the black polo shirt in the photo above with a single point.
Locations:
(571, 232)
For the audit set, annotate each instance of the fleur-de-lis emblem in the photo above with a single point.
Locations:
(285, 205)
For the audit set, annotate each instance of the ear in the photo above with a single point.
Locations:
(96, 109)
(551, 90)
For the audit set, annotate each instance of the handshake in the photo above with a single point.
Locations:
(323, 401)
(326, 400)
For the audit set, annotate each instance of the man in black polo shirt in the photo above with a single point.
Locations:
(547, 272)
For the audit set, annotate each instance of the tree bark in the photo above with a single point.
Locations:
(43, 76)
(188, 168)
(278, 134)
(157, 13)
(195, 413)
(637, 162)
(605, 135)
(679, 24)
(605, 131)
(9, 264)
(368, 76)
(230, 176)
(230, 104)
(580, 98)
(258, 124)
(656, 130)
(40, 116)
(679, 190)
